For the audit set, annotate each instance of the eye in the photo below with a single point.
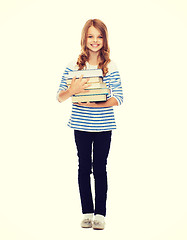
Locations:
(100, 37)
(89, 36)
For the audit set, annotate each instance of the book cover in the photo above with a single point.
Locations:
(94, 92)
(91, 80)
(86, 73)
(90, 98)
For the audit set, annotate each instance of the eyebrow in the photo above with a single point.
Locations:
(92, 34)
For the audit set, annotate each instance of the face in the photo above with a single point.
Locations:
(94, 39)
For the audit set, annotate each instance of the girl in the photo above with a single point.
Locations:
(93, 122)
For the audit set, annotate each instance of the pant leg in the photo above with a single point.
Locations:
(101, 147)
(83, 142)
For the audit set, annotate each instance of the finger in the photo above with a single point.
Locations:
(87, 85)
(87, 79)
(84, 81)
(73, 79)
(86, 91)
(78, 103)
(81, 77)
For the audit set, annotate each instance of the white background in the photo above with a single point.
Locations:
(147, 163)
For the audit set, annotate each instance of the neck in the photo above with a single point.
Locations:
(93, 58)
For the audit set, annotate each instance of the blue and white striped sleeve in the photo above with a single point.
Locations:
(63, 84)
(115, 86)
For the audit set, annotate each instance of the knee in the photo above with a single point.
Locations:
(99, 172)
(84, 169)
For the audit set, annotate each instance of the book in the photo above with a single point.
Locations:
(90, 80)
(97, 90)
(86, 73)
(96, 85)
(89, 98)
(94, 92)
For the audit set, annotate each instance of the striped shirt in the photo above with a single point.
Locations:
(94, 119)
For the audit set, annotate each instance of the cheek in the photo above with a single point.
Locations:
(88, 41)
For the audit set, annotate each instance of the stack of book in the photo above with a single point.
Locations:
(96, 92)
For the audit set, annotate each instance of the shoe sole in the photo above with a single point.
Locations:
(86, 227)
(97, 228)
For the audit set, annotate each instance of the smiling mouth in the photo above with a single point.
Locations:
(95, 45)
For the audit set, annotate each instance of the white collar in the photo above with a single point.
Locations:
(89, 66)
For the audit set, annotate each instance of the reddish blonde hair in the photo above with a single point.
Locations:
(105, 50)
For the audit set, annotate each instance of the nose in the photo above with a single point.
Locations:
(95, 39)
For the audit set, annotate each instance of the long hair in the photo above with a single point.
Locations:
(104, 51)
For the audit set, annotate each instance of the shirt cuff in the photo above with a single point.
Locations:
(57, 96)
(116, 100)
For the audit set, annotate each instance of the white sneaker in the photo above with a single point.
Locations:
(86, 223)
(98, 225)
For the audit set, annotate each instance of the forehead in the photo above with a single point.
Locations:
(93, 31)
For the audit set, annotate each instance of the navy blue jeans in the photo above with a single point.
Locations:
(92, 151)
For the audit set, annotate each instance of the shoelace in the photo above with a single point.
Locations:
(87, 221)
(97, 223)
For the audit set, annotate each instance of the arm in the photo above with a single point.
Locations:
(77, 86)
(116, 87)
(64, 95)
(109, 103)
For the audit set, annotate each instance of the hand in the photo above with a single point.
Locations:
(79, 85)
